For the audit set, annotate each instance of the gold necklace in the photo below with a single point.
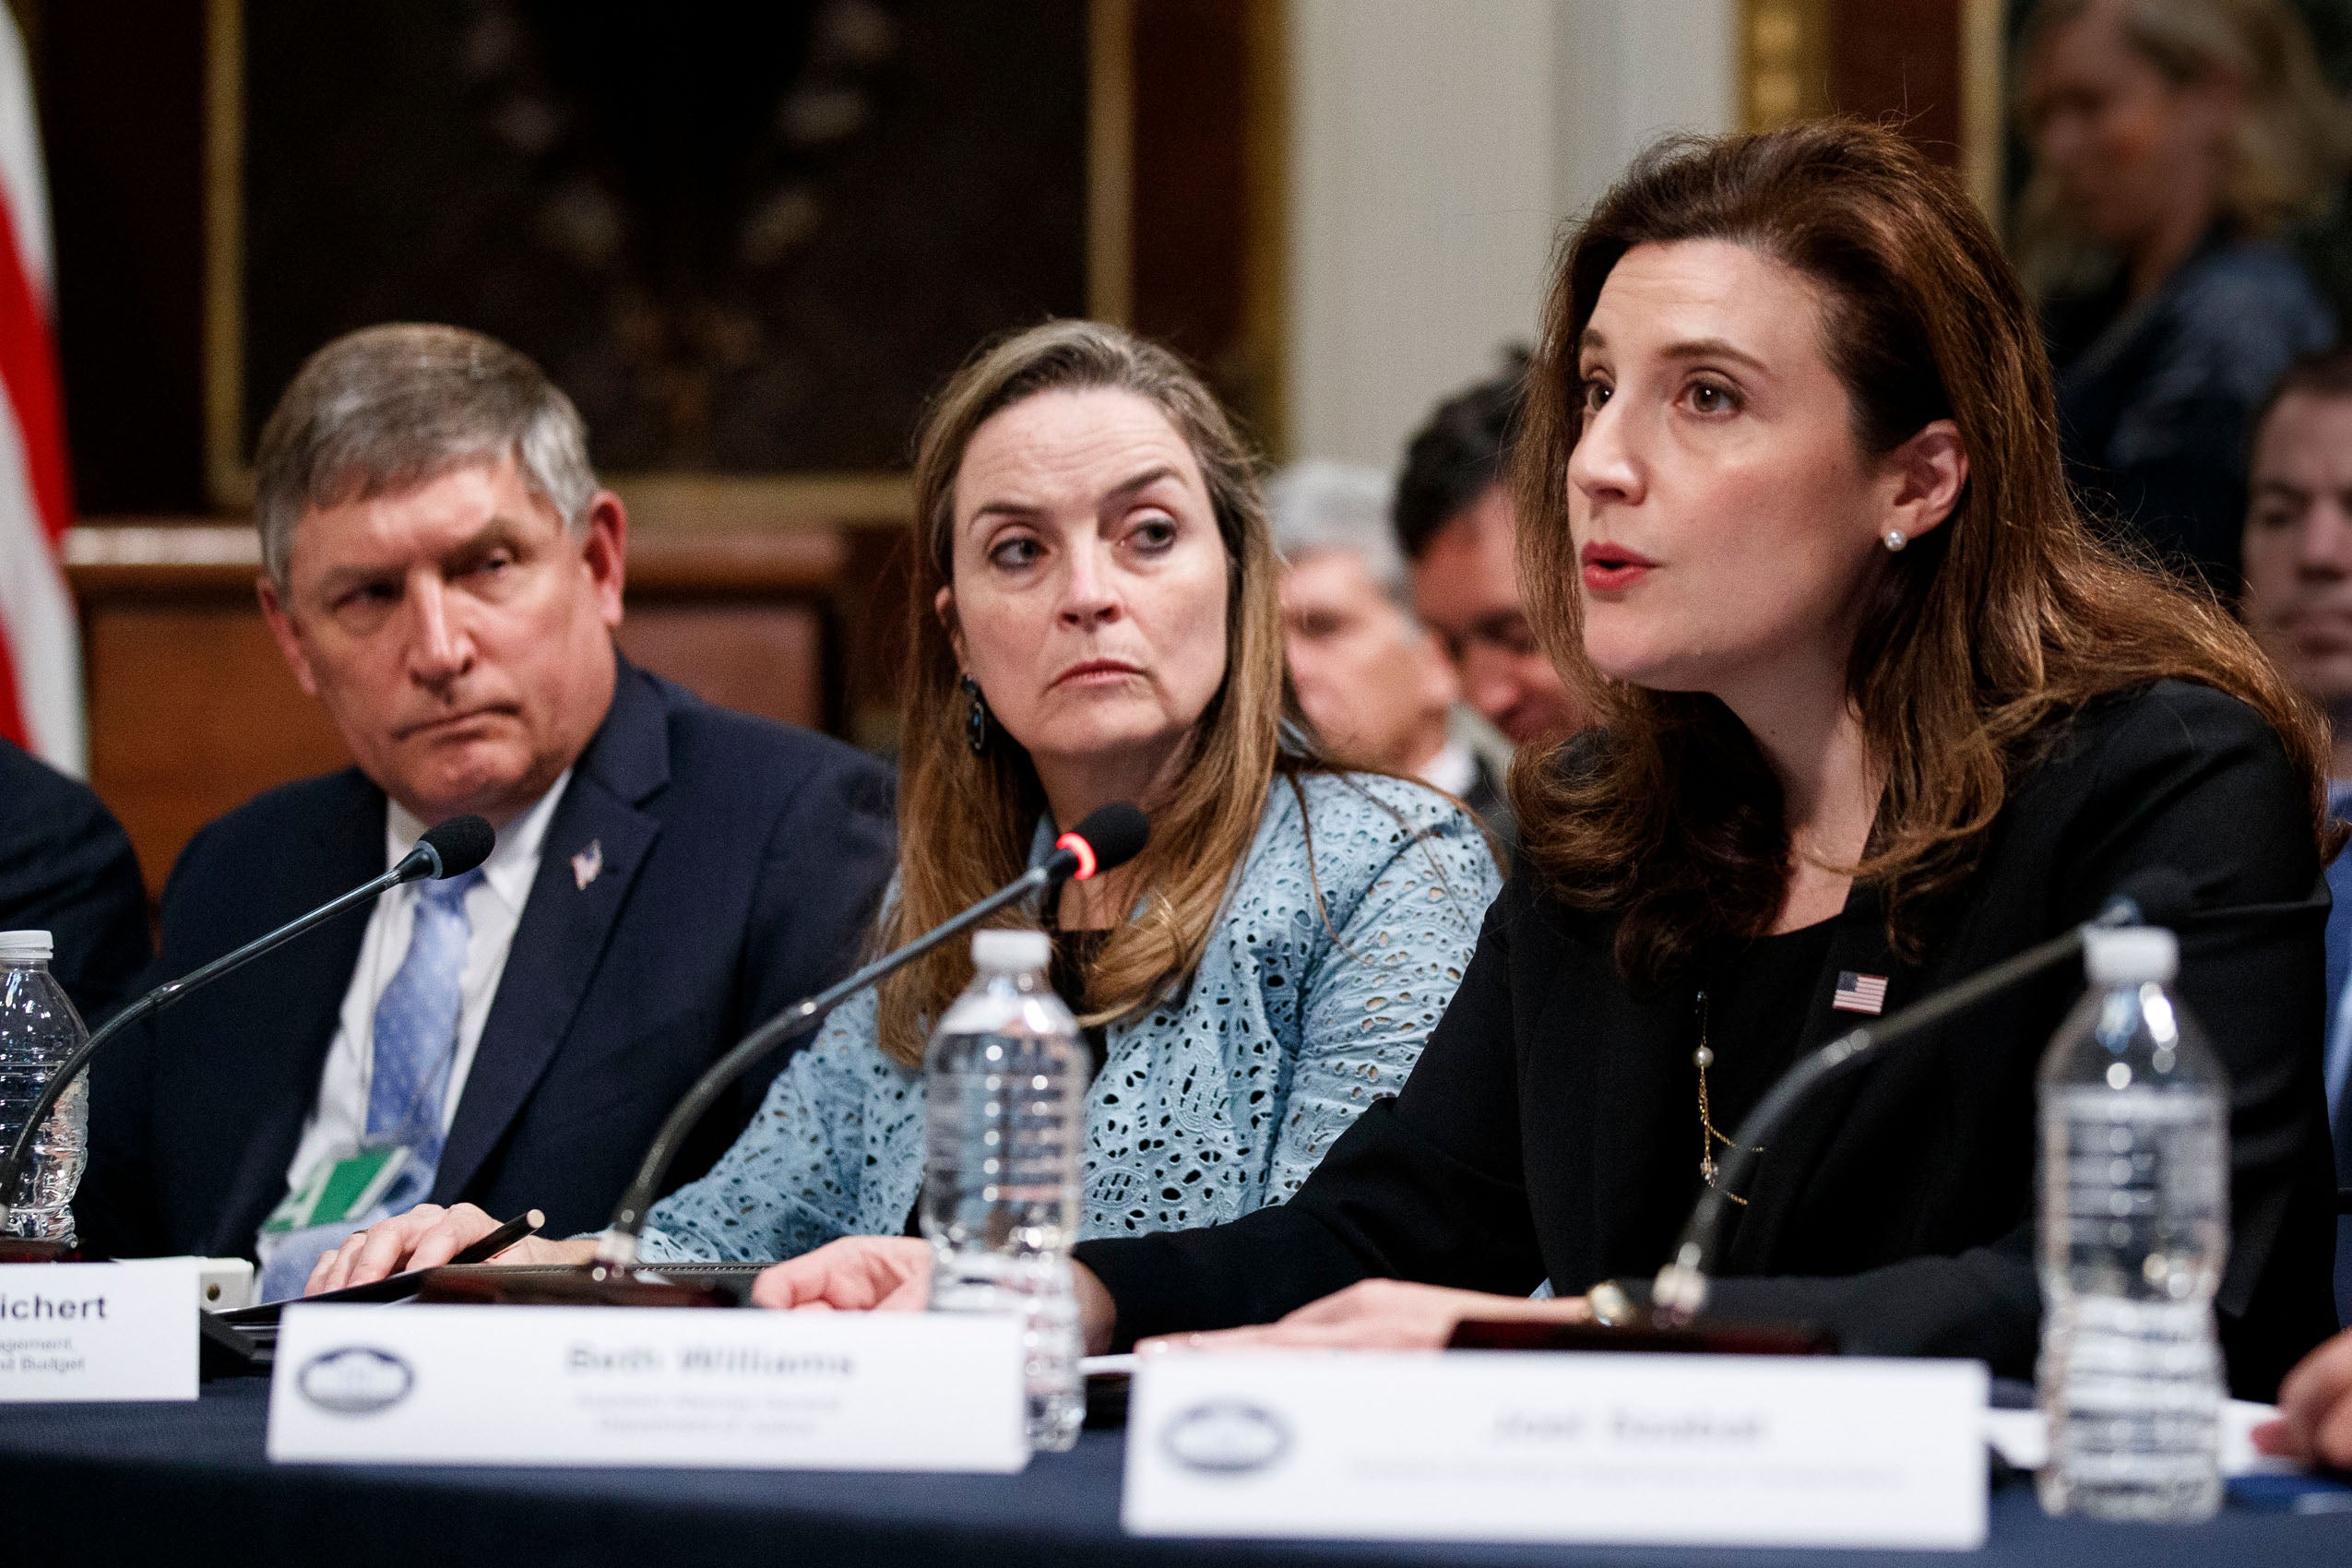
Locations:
(1704, 1058)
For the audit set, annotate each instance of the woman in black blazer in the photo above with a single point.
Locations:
(1875, 712)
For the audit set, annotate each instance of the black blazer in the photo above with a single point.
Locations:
(67, 868)
(741, 862)
(1550, 1130)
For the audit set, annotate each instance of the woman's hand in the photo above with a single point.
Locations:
(856, 1274)
(2314, 1423)
(892, 1273)
(1378, 1314)
(426, 1237)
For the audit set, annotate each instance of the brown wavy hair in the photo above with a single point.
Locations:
(1975, 637)
(966, 820)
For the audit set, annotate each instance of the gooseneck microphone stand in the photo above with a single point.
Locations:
(1672, 1318)
(2157, 895)
(618, 1247)
(1106, 839)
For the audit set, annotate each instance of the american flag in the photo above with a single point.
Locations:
(41, 681)
(1859, 994)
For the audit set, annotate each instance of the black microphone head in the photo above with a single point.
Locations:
(462, 843)
(2151, 896)
(1117, 832)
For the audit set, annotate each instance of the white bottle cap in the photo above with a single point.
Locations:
(24, 946)
(2131, 956)
(1003, 951)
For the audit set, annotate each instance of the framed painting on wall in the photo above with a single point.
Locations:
(747, 238)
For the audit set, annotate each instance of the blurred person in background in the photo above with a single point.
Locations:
(1458, 525)
(2299, 604)
(2173, 140)
(1370, 679)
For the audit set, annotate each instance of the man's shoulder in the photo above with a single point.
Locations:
(329, 802)
(42, 802)
(723, 759)
(60, 848)
(724, 748)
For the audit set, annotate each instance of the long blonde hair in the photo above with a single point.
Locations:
(966, 821)
(2291, 143)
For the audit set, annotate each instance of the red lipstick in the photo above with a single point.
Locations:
(1612, 568)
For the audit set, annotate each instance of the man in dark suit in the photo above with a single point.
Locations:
(443, 574)
(2298, 554)
(1459, 529)
(67, 868)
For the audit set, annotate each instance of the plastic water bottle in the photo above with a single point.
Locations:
(1004, 1079)
(39, 1029)
(2134, 1228)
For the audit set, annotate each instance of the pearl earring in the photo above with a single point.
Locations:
(1896, 540)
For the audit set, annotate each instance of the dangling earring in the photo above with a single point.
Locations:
(976, 717)
(1896, 540)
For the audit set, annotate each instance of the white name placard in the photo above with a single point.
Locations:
(1529, 1446)
(649, 1386)
(93, 1331)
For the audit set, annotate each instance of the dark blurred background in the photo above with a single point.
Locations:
(749, 237)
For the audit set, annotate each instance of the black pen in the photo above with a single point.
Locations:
(498, 1241)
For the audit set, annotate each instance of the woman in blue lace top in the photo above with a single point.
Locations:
(1097, 620)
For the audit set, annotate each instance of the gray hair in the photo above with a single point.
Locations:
(386, 409)
(1319, 506)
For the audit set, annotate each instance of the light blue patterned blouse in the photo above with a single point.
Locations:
(1214, 1103)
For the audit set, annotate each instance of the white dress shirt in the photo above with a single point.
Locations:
(493, 908)
(1454, 768)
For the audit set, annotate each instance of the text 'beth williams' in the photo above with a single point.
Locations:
(728, 1360)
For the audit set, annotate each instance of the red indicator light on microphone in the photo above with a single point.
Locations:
(1084, 850)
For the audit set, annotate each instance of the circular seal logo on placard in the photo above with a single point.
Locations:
(1226, 1437)
(356, 1381)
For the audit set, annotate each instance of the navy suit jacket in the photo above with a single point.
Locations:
(66, 868)
(742, 861)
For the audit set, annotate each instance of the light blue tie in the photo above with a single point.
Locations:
(415, 1046)
(416, 1031)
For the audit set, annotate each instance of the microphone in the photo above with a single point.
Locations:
(450, 848)
(1108, 839)
(447, 850)
(2154, 896)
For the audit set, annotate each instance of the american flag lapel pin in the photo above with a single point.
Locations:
(1858, 994)
(589, 863)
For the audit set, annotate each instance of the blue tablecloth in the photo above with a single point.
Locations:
(174, 1486)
